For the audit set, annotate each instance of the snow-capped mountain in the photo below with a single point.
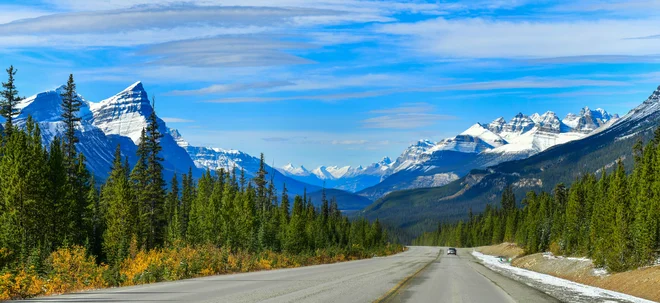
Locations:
(601, 149)
(426, 164)
(345, 177)
(119, 120)
(214, 158)
(588, 120)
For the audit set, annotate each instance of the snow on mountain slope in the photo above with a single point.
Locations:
(475, 139)
(295, 171)
(588, 120)
(484, 145)
(346, 178)
(534, 141)
(125, 115)
(413, 155)
(45, 108)
(213, 159)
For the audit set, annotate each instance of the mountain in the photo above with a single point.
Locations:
(218, 158)
(119, 120)
(419, 209)
(45, 108)
(345, 178)
(125, 114)
(429, 164)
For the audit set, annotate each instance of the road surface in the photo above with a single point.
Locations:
(421, 274)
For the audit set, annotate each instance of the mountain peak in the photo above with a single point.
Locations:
(386, 161)
(135, 87)
(125, 113)
(654, 98)
(177, 137)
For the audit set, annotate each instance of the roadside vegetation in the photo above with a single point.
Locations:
(60, 232)
(613, 219)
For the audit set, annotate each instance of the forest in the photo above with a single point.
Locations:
(613, 218)
(61, 230)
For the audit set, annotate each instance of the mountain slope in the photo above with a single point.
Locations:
(217, 158)
(417, 209)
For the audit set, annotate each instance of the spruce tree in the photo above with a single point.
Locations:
(71, 104)
(156, 185)
(9, 98)
(140, 181)
(120, 217)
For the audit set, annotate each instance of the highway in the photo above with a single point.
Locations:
(421, 274)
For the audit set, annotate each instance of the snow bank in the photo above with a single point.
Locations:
(561, 288)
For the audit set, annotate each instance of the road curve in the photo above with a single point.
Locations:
(421, 274)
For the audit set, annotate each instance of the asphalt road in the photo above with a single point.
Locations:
(421, 274)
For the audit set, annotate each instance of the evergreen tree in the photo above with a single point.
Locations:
(120, 216)
(8, 99)
(156, 186)
(71, 104)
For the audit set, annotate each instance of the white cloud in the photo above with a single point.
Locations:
(233, 87)
(176, 120)
(519, 83)
(407, 108)
(406, 116)
(226, 51)
(487, 38)
(155, 17)
(310, 83)
(9, 13)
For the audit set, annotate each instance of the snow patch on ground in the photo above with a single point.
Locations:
(562, 289)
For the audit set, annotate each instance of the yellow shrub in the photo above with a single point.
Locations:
(70, 269)
(24, 284)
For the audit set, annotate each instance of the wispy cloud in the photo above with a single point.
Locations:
(155, 17)
(407, 108)
(405, 121)
(524, 39)
(406, 116)
(519, 83)
(315, 82)
(349, 142)
(176, 120)
(233, 87)
(226, 51)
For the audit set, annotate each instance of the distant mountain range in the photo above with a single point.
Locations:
(605, 139)
(430, 164)
(347, 178)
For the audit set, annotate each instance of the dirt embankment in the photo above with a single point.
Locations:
(509, 250)
(641, 282)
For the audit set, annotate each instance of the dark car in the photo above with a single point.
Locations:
(451, 251)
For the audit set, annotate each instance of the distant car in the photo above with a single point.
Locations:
(451, 251)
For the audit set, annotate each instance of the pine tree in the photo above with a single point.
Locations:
(8, 99)
(296, 237)
(156, 185)
(71, 104)
(139, 180)
(619, 252)
(172, 205)
(120, 215)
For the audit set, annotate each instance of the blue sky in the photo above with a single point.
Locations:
(338, 82)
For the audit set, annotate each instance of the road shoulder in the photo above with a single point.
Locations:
(517, 290)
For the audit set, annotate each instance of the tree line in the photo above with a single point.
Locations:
(613, 219)
(49, 200)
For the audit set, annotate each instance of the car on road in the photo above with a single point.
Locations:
(451, 251)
